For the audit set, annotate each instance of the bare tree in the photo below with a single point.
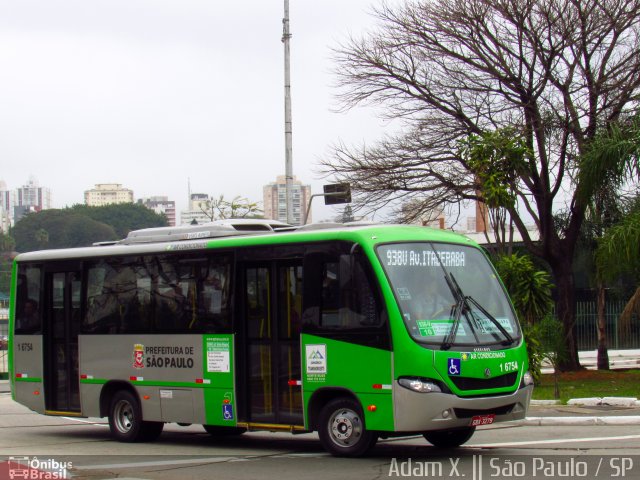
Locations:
(552, 70)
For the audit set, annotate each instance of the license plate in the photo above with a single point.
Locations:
(480, 420)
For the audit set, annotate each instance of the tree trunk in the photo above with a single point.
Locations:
(566, 312)
(603, 354)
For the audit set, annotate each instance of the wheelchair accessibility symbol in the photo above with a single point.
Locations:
(227, 411)
(453, 366)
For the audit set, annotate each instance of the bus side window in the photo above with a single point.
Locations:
(28, 311)
(366, 310)
(348, 300)
(213, 297)
(117, 297)
(135, 300)
(192, 294)
(171, 303)
(330, 307)
(104, 310)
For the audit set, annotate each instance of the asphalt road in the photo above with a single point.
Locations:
(499, 451)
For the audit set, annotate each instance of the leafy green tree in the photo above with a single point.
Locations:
(7, 246)
(549, 331)
(41, 237)
(553, 71)
(530, 291)
(497, 159)
(618, 253)
(5, 274)
(59, 229)
(7, 243)
(535, 352)
(528, 286)
(123, 217)
(347, 215)
(610, 162)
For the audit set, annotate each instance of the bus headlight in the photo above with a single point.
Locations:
(527, 379)
(419, 385)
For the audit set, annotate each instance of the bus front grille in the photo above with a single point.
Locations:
(483, 383)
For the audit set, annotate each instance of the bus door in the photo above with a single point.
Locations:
(63, 289)
(272, 306)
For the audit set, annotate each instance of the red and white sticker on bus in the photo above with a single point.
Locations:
(480, 420)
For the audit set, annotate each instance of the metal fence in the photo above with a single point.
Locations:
(617, 338)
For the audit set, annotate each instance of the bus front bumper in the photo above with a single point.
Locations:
(422, 412)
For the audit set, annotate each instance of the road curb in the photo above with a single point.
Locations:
(609, 401)
(537, 403)
(580, 421)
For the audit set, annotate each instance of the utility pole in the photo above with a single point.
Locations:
(288, 155)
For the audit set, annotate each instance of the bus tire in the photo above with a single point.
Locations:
(217, 431)
(449, 438)
(125, 420)
(342, 430)
(151, 431)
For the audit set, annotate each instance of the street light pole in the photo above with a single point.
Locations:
(286, 37)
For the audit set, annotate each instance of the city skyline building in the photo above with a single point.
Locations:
(275, 200)
(30, 197)
(107, 194)
(5, 221)
(198, 206)
(161, 205)
(7, 202)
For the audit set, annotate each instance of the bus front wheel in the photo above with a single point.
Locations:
(125, 420)
(342, 431)
(449, 438)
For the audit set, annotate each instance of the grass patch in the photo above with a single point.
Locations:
(590, 383)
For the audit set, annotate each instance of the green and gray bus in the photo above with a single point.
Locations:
(357, 332)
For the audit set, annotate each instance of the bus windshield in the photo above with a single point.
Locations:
(449, 295)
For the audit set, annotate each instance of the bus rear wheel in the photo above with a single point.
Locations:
(125, 420)
(342, 431)
(449, 438)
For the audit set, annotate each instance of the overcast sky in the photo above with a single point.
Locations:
(151, 93)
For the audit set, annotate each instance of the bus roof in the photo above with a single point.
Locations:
(194, 239)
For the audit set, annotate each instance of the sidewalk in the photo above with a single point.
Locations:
(548, 415)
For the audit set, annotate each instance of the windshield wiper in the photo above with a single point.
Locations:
(508, 339)
(460, 308)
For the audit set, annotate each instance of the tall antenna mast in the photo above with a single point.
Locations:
(288, 156)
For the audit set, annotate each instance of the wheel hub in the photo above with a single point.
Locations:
(345, 427)
(123, 416)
